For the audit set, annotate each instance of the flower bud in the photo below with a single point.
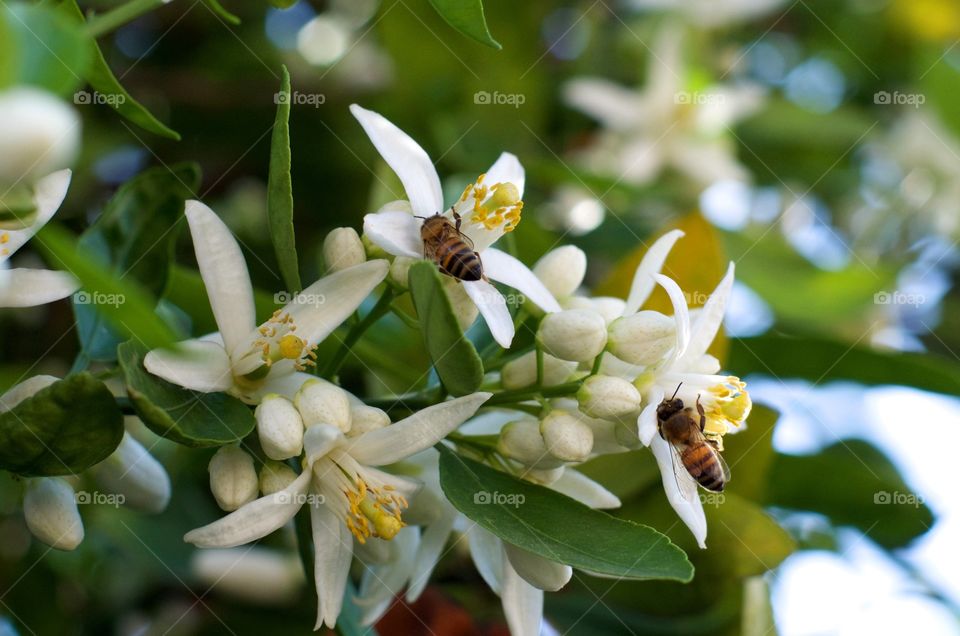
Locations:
(522, 441)
(574, 334)
(606, 396)
(643, 338)
(320, 402)
(233, 479)
(275, 476)
(608, 307)
(39, 133)
(400, 270)
(365, 418)
(279, 427)
(251, 573)
(133, 472)
(50, 509)
(522, 372)
(342, 248)
(463, 306)
(566, 437)
(562, 270)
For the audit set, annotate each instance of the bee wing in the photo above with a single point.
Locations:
(723, 466)
(686, 484)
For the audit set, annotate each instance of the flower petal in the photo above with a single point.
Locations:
(576, 485)
(395, 231)
(522, 602)
(224, 274)
(333, 547)
(487, 553)
(48, 194)
(539, 572)
(319, 440)
(20, 392)
(407, 158)
(194, 364)
(493, 308)
(382, 584)
(647, 422)
(709, 319)
(421, 430)
(507, 169)
(432, 543)
(680, 314)
(254, 520)
(681, 490)
(615, 106)
(32, 287)
(506, 269)
(651, 264)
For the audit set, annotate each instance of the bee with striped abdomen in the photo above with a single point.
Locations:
(449, 248)
(698, 455)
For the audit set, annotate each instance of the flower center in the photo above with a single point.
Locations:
(493, 206)
(729, 407)
(278, 342)
(374, 511)
(4, 239)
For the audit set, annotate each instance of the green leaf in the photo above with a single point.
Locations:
(225, 15)
(102, 80)
(136, 235)
(454, 357)
(466, 16)
(183, 416)
(749, 454)
(283, 4)
(63, 429)
(122, 302)
(45, 48)
(821, 359)
(280, 191)
(556, 527)
(854, 484)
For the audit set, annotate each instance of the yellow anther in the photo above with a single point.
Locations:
(291, 347)
(374, 512)
(4, 238)
(504, 195)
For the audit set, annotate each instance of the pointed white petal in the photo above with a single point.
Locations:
(493, 308)
(432, 543)
(32, 287)
(319, 440)
(506, 169)
(612, 105)
(647, 422)
(407, 158)
(421, 430)
(522, 602)
(254, 520)
(20, 392)
(681, 493)
(48, 194)
(539, 572)
(576, 485)
(224, 274)
(709, 319)
(651, 264)
(506, 269)
(333, 547)
(486, 550)
(193, 364)
(381, 585)
(680, 314)
(395, 231)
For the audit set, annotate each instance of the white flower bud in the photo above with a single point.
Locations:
(342, 248)
(320, 402)
(562, 270)
(275, 476)
(400, 270)
(522, 372)
(133, 472)
(643, 338)
(39, 133)
(609, 307)
(574, 334)
(233, 479)
(463, 306)
(279, 427)
(522, 441)
(50, 509)
(566, 437)
(251, 573)
(606, 396)
(365, 418)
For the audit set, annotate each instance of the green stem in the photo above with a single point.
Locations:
(113, 19)
(381, 308)
(597, 364)
(406, 318)
(530, 393)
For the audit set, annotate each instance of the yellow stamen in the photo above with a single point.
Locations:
(374, 512)
(291, 347)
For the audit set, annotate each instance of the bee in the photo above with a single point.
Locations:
(449, 248)
(699, 456)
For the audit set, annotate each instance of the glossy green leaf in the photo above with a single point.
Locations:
(283, 4)
(180, 415)
(454, 357)
(556, 527)
(45, 47)
(124, 303)
(854, 484)
(749, 454)
(821, 359)
(61, 430)
(466, 16)
(280, 191)
(221, 11)
(135, 235)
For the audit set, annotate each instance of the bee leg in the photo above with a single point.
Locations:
(457, 219)
(703, 417)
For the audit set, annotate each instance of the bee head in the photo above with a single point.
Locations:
(668, 408)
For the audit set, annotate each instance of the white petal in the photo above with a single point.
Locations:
(193, 364)
(506, 169)
(395, 231)
(286, 385)
(224, 274)
(407, 158)
(381, 585)
(680, 314)
(539, 572)
(493, 308)
(48, 194)
(320, 440)
(576, 485)
(32, 287)
(432, 543)
(421, 430)
(506, 269)
(651, 264)
(709, 319)
(333, 547)
(681, 492)
(613, 105)
(647, 422)
(522, 602)
(20, 392)
(254, 520)
(486, 550)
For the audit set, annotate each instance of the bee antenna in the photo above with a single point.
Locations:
(677, 391)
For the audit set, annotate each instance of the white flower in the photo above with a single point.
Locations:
(522, 371)
(606, 396)
(348, 497)
(342, 248)
(39, 133)
(712, 13)
(243, 359)
(566, 436)
(279, 426)
(30, 287)
(561, 270)
(489, 208)
(134, 473)
(50, 509)
(578, 335)
(665, 125)
(254, 574)
(233, 478)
